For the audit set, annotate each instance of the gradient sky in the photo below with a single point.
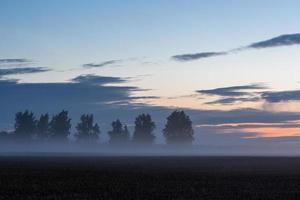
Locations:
(134, 41)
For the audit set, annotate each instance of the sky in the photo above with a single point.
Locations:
(232, 65)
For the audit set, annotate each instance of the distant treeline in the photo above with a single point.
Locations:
(178, 129)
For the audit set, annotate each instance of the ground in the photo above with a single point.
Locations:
(98, 177)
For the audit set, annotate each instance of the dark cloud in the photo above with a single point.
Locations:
(110, 62)
(215, 117)
(249, 93)
(196, 56)
(87, 93)
(78, 97)
(233, 91)
(282, 40)
(14, 61)
(232, 100)
(98, 80)
(275, 97)
(235, 94)
(26, 70)
(145, 97)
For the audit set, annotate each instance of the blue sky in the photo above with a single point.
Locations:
(136, 41)
(58, 32)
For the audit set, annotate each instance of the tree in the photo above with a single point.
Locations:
(178, 128)
(118, 134)
(143, 130)
(60, 126)
(43, 127)
(25, 125)
(87, 130)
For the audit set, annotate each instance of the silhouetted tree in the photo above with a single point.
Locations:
(178, 128)
(118, 134)
(60, 126)
(25, 125)
(87, 130)
(43, 127)
(143, 130)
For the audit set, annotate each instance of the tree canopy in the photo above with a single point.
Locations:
(143, 130)
(119, 133)
(87, 130)
(178, 129)
(60, 126)
(25, 125)
(43, 127)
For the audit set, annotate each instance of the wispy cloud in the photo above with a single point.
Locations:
(195, 56)
(275, 97)
(233, 100)
(97, 80)
(232, 91)
(145, 97)
(249, 93)
(26, 70)
(235, 94)
(14, 61)
(102, 64)
(282, 40)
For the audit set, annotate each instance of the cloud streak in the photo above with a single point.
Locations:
(97, 80)
(232, 91)
(249, 93)
(232, 100)
(14, 61)
(276, 97)
(282, 40)
(189, 57)
(234, 94)
(103, 64)
(26, 70)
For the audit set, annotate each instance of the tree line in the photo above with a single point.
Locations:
(178, 129)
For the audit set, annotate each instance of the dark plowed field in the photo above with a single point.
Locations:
(92, 177)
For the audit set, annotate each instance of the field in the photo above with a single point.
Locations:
(92, 177)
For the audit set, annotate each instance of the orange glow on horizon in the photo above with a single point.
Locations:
(269, 132)
(259, 130)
